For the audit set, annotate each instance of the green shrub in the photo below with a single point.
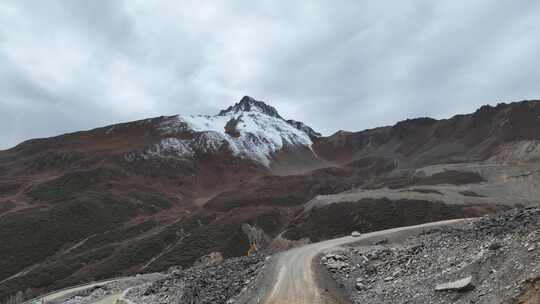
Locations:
(72, 184)
(32, 235)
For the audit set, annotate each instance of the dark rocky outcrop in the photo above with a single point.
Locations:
(247, 104)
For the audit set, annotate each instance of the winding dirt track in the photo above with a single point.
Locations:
(57, 295)
(293, 279)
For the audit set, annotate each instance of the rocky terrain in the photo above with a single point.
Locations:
(143, 196)
(107, 289)
(212, 282)
(495, 259)
(208, 284)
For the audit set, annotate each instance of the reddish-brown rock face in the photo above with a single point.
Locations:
(423, 141)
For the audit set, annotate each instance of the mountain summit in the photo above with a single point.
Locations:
(250, 129)
(250, 104)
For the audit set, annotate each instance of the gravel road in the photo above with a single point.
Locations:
(291, 277)
(66, 292)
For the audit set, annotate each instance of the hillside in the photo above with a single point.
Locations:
(496, 258)
(147, 195)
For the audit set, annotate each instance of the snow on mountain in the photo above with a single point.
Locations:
(250, 129)
(303, 127)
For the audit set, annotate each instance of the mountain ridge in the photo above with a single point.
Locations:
(173, 188)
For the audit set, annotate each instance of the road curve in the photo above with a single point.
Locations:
(292, 279)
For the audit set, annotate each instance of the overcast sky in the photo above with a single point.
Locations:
(73, 65)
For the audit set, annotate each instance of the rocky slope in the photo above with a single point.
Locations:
(492, 260)
(506, 131)
(147, 195)
(209, 283)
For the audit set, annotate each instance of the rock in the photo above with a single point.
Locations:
(355, 234)
(336, 265)
(495, 246)
(381, 242)
(256, 236)
(211, 259)
(360, 286)
(459, 285)
(371, 269)
(202, 285)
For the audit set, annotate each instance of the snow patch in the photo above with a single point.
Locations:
(261, 135)
(171, 147)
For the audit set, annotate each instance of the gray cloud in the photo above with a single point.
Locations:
(72, 65)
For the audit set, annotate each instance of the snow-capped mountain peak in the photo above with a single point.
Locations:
(249, 104)
(249, 129)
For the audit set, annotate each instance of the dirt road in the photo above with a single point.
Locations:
(292, 279)
(57, 295)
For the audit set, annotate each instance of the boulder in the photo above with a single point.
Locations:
(381, 242)
(336, 265)
(459, 285)
(495, 246)
(211, 259)
(360, 286)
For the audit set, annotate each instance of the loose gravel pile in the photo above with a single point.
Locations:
(100, 291)
(495, 259)
(210, 284)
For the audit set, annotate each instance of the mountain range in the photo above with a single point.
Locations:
(147, 195)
